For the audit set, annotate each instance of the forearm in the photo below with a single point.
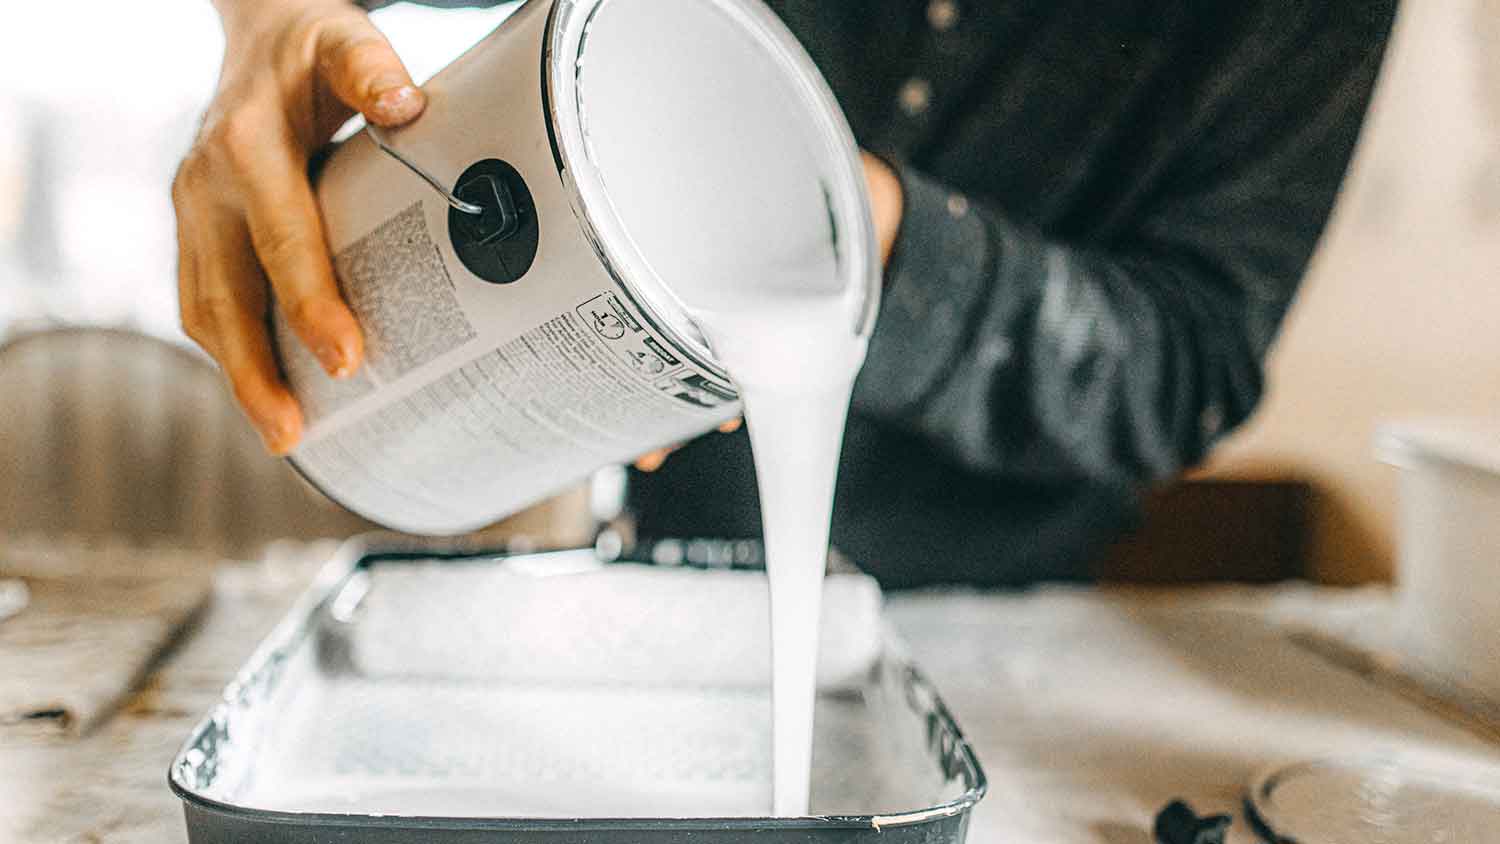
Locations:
(1123, 358)
(1014, 352)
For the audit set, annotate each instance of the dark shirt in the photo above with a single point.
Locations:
(1108, 207)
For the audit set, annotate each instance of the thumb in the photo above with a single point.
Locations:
(365, 73)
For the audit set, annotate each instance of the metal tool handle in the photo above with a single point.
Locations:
(377, 135)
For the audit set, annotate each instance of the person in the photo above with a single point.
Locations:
(1094, 218)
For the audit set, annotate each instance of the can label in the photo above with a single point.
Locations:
(476, 398)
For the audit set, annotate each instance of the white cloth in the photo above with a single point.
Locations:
(96, 618)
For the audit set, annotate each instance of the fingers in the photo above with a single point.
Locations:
(365, 73)
(223, 308)
(653, 460)
(886, 202)
(247, 215)
(287, 233)
(245, 354)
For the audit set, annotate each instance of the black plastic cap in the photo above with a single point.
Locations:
(499, 245)
(1179, 824)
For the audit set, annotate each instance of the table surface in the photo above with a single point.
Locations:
(1090, 709)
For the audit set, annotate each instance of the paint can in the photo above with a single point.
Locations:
(517, 255)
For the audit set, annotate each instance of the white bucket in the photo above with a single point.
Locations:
(643, 150)
(1449, 555)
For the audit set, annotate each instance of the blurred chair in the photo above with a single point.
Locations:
(110, 433)
(106, 432)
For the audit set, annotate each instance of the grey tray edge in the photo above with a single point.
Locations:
(277, 646)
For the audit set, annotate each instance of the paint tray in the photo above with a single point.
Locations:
(409, 696)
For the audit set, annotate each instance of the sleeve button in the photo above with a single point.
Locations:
(942, 15)
(915, 96)
(1212, 421)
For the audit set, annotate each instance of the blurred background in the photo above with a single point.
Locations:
(98, 102)
(125, 439)
(1398, 317)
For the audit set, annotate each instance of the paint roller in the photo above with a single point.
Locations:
(564, 618)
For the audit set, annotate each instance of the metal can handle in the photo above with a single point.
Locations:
(378, 135)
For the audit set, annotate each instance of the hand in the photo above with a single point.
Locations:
(886, 208)
(652, 460)
(886, 203)
(247, 220)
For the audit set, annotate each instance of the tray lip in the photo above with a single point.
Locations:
(359, 552)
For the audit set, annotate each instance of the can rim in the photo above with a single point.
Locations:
(563, 42)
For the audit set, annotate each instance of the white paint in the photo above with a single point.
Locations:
(795, 361)
(727, 174)
(711, 158)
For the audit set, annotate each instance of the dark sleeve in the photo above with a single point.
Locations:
(1123, 361)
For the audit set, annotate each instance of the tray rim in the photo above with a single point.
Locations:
(359, 552)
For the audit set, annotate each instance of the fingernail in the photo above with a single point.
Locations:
(337, 359)
(394, 103)
(278, 436)
(275, 443)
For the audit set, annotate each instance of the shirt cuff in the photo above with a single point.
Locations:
(935, 286)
